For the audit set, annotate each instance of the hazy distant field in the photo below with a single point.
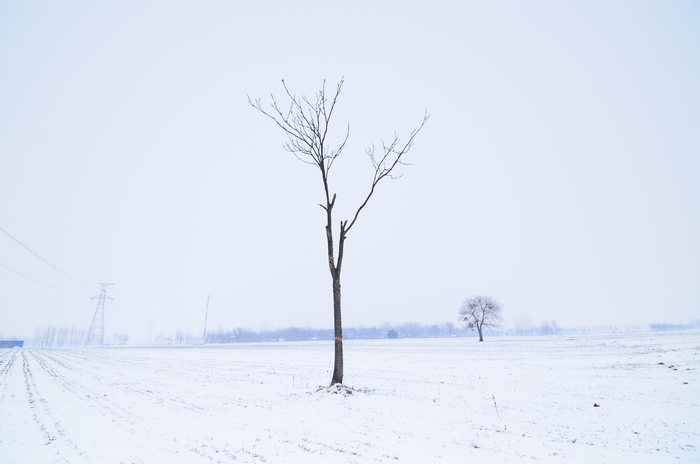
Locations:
(419, 401)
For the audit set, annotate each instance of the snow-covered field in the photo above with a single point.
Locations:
(417, 400)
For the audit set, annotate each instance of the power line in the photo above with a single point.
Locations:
(55, 268)
(127, 315)
(26, 230)
(36, 201)
(42, 283)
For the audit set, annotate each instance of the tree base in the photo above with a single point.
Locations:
(337, 389)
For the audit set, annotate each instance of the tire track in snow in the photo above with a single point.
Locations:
(6, 361)
(81, 392)
(119, 402)
(153, 396)
(22, 438)
(48, 424)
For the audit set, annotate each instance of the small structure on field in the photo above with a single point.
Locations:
(11, 343)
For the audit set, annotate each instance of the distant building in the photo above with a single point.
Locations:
(11, 343)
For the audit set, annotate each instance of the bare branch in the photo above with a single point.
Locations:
(390, 159)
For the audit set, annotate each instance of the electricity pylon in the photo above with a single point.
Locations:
(97, 327)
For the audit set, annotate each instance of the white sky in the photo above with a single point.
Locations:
(559, 171)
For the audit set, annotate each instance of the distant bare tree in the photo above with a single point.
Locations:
(76, 337)
(436, 330)
(450, 327)
(523, 325)
(49, 336)
(62, 336)
(546, 329)
(480, 312)
(306, 123)
(555, 327)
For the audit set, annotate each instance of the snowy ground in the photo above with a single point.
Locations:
(416, 401)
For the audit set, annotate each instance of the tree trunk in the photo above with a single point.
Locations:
(335, 275)
(481, 337)
(338, 327)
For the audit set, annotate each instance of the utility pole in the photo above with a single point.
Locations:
(150, 331)
(97, 327)
(204, 337)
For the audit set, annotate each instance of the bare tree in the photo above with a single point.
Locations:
(450, 327)
(479, 312)
(523, 325)
(306, 123)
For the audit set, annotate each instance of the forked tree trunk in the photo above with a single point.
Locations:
(481, 337)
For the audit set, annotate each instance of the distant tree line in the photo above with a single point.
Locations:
(406, 330)
(57, 335)
(63, 335)
(692, 325)
(523, 326)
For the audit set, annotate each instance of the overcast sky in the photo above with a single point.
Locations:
(559, 170)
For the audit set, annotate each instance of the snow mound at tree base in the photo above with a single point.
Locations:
(337, 389)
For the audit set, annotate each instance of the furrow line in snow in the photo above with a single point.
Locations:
(97, 410)
(117, 398)
(157, 398)
(118, 404)
(82, 392)
(6, 360)
(49, 426)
